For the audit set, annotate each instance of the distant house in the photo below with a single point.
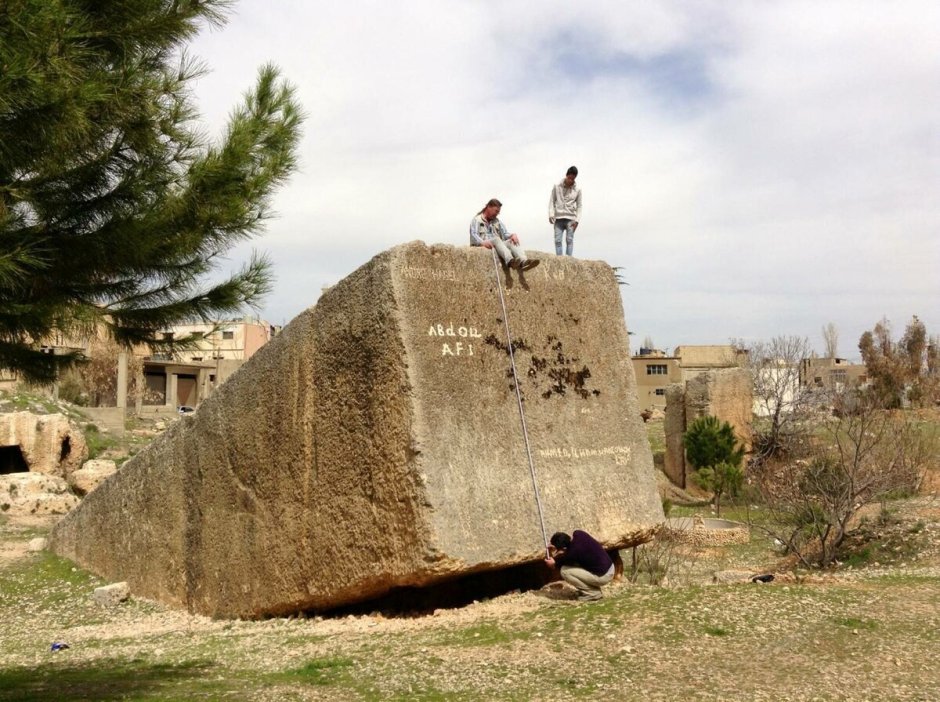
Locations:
(655, 370)
(832, 373)
(189, 375)
(185, 376)
(56, 344)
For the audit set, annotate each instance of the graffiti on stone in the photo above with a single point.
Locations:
(454, 347)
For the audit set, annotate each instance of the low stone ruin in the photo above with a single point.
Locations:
(725, 394)
(35, 495)
(376, 444)
(38, 453)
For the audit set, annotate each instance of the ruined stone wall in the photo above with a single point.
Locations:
(376, 442)
(674, 428)
(725, 394)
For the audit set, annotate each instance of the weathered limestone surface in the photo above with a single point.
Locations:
(726, 394)
(91, 475)
(49, 443)
(376, 442)
(674, 428)
(34, 494)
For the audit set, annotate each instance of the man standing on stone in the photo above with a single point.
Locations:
(564, 210)
(583, 563)
(487, 231)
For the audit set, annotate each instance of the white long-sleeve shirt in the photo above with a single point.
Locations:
(565, 203)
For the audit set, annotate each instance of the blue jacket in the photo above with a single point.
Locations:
(481, 230)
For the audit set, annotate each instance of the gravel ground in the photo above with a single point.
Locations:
(864, 634)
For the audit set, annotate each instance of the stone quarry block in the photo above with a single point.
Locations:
(91, 475)
(111, 595)
(377, 442)
(674, 426)
(34, 495)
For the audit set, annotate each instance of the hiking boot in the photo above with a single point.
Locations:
(530, 263)
(514, 263)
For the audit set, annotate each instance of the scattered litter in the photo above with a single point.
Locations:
(768, 577)
(58, 646)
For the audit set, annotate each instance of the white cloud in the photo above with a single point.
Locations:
(756, 168)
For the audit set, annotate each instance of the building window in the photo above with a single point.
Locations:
(197, 358)
(228, 335)
(657, 369)
(659, 391)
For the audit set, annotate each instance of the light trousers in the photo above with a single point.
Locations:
(508, 250)
(585, 582)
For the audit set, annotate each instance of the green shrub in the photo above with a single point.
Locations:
(709, 442)
(714, 451)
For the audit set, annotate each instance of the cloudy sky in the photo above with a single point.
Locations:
(756, 168)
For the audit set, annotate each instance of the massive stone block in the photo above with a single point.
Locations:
(377, 442)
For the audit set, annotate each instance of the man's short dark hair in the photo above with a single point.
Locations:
(560, 540)
(572, 171)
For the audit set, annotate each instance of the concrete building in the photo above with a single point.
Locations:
(832, 373)
(183, 377)
(655, 370)
(188, 376)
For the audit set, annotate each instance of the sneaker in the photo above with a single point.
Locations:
(530, 263)
(590, 596)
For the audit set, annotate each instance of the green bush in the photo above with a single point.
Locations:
(709, 442)
(713, 450)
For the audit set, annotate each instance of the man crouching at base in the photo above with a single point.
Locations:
(583, 563)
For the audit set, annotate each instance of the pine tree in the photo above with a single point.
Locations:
(713, 450)
(113, 208)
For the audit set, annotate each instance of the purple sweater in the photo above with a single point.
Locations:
(585, 552)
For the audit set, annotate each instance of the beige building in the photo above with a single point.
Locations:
(832, 373)
(655, 370)
(188, 376)
(57, 344)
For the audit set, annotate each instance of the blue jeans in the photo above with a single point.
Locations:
(564, 227)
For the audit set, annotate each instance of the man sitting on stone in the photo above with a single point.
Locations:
(487, 231)
(583, 563)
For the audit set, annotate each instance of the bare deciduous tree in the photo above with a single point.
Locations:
(859, 456)
(780, 402)
(830, 335)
